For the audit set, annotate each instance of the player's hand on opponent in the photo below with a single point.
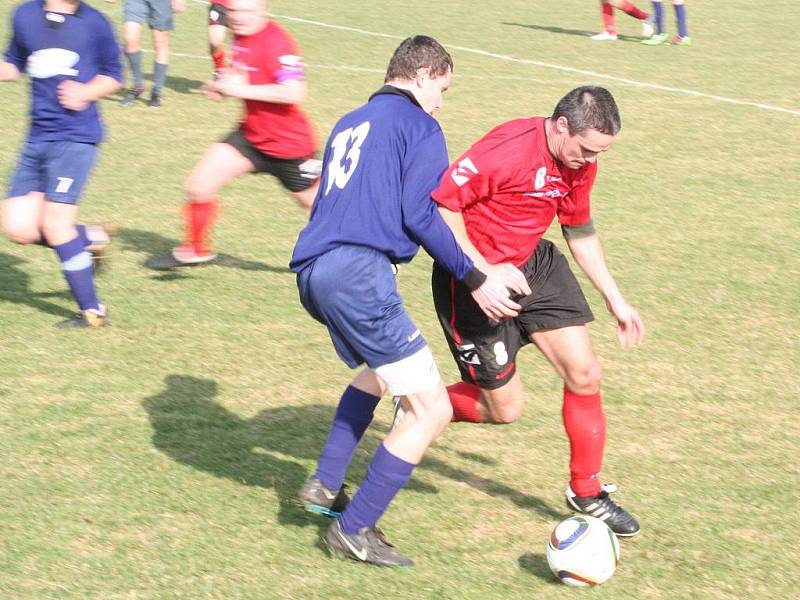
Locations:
(73, 95)
(510, 276)
(494, 299)
(178, 6)
(630, 328)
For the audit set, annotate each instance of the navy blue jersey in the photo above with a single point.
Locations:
(54, 47)
(381, 163)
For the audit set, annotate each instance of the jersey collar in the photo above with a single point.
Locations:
(390, 90)
(45, 11)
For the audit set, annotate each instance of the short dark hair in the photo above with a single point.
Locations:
(418, 52)
(589, 107)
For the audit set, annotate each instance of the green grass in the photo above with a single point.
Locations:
(158, 458)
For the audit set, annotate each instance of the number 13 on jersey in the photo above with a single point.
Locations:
(341, 167)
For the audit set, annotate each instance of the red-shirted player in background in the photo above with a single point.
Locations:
(274, 136)
(609, 32)
(499, 198)
(217, 30)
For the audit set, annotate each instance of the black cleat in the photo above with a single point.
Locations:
(368, 545)
(131, 96)
(155, 99)
(604, 508)
(87, 319)
(316, 498)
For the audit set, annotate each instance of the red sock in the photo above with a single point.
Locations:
(219, 59)
(200, 216)
(608, 19)
(633, 10)
(585, 423)
(464, 398)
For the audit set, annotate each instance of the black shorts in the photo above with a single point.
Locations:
(217, 15)
(296, 174)
(485, 350)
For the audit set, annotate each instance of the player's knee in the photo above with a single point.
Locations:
(584, 378)
(507, 413)
(20, 234)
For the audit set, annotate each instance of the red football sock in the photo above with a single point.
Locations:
(219, 59)
(464, 398)
(200, 216)
(633, 10)
(585, 423)
(608, 19)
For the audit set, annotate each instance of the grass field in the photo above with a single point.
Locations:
(158, 458)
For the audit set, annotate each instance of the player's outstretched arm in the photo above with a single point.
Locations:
(8, 71)
(235, 84)
(588, 253)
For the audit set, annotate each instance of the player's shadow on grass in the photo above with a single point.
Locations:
(15, 288)
(261, 451)
(156, 245)
(536, 564)
(566, 31)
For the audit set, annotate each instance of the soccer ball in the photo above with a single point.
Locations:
(582, 551)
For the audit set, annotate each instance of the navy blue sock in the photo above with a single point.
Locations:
(386, 474)
(658, 11)
(135, 62)
(353, 416)
(77, 266)
(159, 75)
(680, 15)
(82, 234)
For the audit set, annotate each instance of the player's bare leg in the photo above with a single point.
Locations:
(216, 45)
(220, 165)
(306, 197)
(569, 350)
(132, 40)
(22, 218)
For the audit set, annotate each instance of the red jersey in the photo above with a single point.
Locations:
(269, 57)
(508, 187)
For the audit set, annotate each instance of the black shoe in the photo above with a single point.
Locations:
(368, 545)
(131, 96)
(604, 508)
(155, 99)
(318, 499)
(87, 319)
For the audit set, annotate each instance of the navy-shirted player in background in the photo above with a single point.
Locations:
(69, 52)
(373, 210)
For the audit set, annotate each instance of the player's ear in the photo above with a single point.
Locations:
(423, 73)
(562, 125)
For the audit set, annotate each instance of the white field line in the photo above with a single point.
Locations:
(557, 67)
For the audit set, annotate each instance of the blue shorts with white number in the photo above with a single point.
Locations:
(352, 291)
(59, 169)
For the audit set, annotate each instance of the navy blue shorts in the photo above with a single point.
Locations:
(59, 169)
(157, 13)
(352, 291)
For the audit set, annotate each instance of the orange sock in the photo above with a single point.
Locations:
(464, 398)
(219, 59)
(608, 19)
(200, 216)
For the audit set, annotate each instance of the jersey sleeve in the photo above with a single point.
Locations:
(466, 182)
(291, 66)
(574, 210)
(16, 54)
(108, 52)
(421, 218)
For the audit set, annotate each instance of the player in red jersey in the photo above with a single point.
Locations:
(609, 32)
(499, 198)
(275, 136)
(217, 30)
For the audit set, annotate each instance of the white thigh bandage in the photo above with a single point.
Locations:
(413, 374)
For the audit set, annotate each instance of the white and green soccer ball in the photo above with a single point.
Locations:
(582, 551)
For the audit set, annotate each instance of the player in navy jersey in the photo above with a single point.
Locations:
(373, 210)
(68, 50)
(499, 198)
